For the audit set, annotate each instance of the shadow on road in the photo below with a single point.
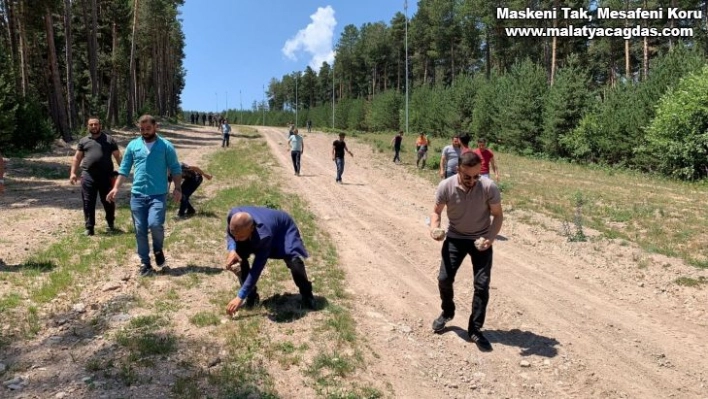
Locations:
(529, 342)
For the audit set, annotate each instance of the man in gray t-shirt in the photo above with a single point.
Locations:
(470, 203)
(449, 158)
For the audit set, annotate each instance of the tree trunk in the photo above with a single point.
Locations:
(112, 109)
(71, 105)
(452, 61)
(132, 84)
(24, 68)
(488, 56)
(92, 45)
(56, 95)
(627, 70)
(12, 39)
(645, 55)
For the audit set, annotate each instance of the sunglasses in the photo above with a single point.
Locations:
(465, 176)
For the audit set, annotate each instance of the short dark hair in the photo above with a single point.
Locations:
(465, 139)
(457, 135)
(482, 140)
(470, 159)
(147, 118)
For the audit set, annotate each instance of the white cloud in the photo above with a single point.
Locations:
(316, 39)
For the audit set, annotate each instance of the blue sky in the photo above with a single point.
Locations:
(239, 45)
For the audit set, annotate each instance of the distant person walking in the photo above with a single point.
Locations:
(309, 126)
(192, 177)
(93, 156)
(421, 148)
(191, 118)
(449, 158)
(203, 119)
(151, 158)
(297, 148)
(338, 149)
(470, 202)
(396, 143)
(211, 119)
(226, 132)
(487, 157)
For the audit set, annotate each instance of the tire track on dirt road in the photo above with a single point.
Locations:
(578, 335)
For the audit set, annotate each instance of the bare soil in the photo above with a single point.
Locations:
(594, 319)
(599, 319)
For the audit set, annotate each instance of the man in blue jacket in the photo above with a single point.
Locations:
(268, 234)
(152, 157)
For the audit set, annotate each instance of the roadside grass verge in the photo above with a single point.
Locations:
(660, 215)
(321, 347)
(57, 275)
(256, 345)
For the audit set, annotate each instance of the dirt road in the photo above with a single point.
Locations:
(572, 320)
(595, 319)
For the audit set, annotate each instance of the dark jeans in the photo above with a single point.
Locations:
(296, 155)
(189, 186)
(454, 251)
(340, 167)
(225, 140)
(297, 270)
(91, 186)
(396, 154)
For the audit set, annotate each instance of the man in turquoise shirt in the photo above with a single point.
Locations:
(150, 157)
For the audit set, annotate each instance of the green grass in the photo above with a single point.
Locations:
(10, 301)
(244, 372)
(142, 337)
(205, 319)
(660, 215)
(691, 282)
(66, 266)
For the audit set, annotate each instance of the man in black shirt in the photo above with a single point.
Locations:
(396, 143)
(93, 155)
(338, 148)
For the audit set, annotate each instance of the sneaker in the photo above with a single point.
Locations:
(146, 271)
(191, 212)
(252, 301)
(89, 232)
(308, 302)
(482, 342)
(160, 258)
(439, 323)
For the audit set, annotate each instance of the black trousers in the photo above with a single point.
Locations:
(454, 251)
(225, 140)
(396, 154)
(92, 186)
(297, 270)
(189, 186)
(296, 156)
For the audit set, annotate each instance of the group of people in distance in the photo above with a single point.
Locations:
(296, 146)
(470, 197)
(214, 120)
